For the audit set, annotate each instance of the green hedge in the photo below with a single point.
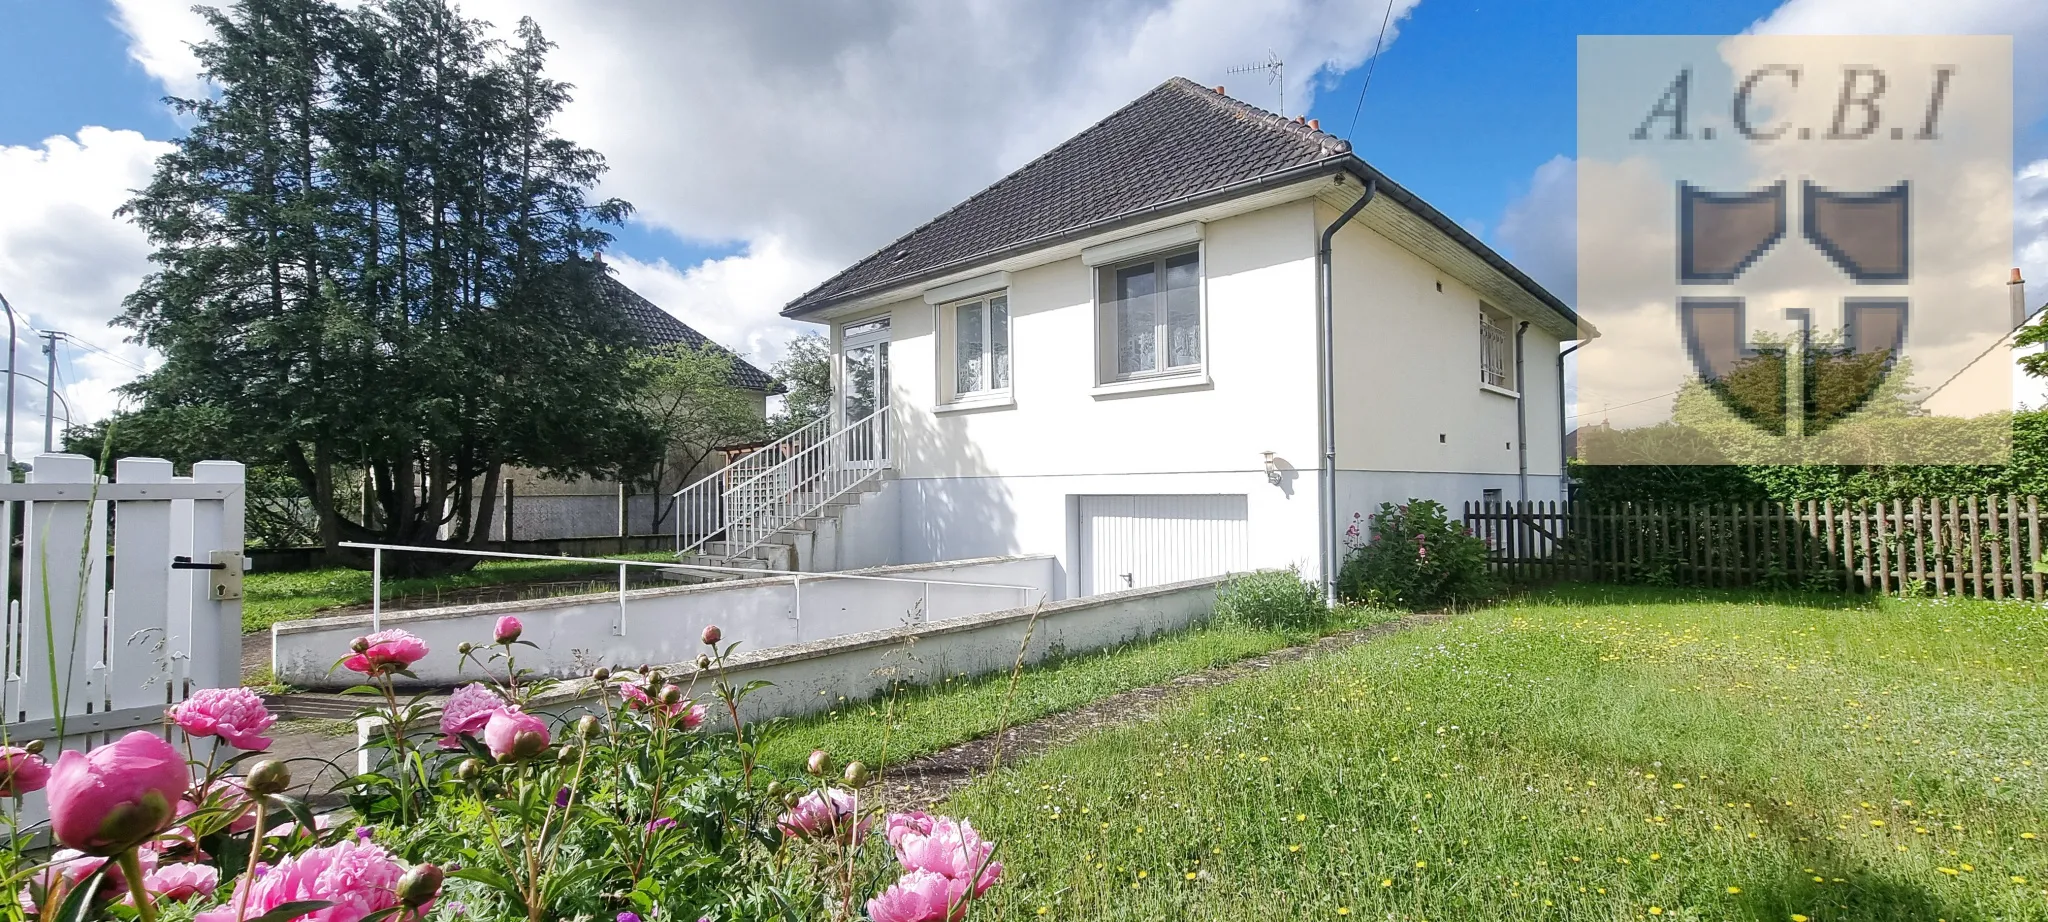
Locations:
(2026, 473)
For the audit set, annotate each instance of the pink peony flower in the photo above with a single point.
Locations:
(21, 771)
(388, 652)
(690, 712)
(236, 715)
(921, 896)
(358, 877)
(514, 733)
(181, 882)
(951, 849)
(826, 815)
(48, 887)
(898, 825)
(117, 796)
(466, 713)
(507, 631)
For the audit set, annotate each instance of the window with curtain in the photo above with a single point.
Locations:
(981, 345)
(1152, 315)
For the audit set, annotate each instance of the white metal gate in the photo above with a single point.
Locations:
(89, 654)
(1130, 542)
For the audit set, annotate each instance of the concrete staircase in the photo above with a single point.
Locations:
(794, 547)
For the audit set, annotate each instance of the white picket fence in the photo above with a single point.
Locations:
(89, 655)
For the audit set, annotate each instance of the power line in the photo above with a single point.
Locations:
(90, 347)
(1373, 65)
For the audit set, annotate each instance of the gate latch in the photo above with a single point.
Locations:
(226, 573)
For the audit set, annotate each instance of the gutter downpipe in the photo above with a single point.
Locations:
(1563, 473)
(1522, 417)
(1329, 395)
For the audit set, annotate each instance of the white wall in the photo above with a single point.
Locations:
(579, 633)
(1412, 419)
(1000, 480)
(812, 677)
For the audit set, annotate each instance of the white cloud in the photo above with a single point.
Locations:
(841, 127)
(734, 300)
(1539, 230)
(160, 37)
(66, 262)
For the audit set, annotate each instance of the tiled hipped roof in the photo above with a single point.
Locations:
(1174, 143)
(660, 328)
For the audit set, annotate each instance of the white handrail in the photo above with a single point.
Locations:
(796, 576)
(802, 484)
(700, 505)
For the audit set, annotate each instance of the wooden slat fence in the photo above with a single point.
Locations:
(1976, 546)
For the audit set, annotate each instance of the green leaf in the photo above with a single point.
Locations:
(78, 903)
(291, 910)
(495, 881)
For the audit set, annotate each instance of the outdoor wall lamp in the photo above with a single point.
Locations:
(1272, 469)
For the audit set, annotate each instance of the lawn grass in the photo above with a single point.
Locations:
(924, 720)
(1582, 754)
(271, 597)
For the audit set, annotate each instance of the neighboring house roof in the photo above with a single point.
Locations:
(661, 328)
(1175, 147)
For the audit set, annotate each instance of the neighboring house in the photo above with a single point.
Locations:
(543, 507)
(1114, 355)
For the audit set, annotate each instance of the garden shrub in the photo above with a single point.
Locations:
(1414, 557)
(1275, 600)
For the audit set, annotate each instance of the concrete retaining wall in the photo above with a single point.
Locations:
(578, 633)
(810, 677)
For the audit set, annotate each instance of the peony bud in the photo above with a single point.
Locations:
(117, 796)
(856, 774)
(775, 790)
(712, 635)
(34, 747)
(789, 799)
(586, 726)
(268, 777)
(655, 677)
(507, 630)
(359, 645)
(670, 695)
(567, 755)
(819, 762)
(703, 661)
(601, 674)
(419, 886)
(464, 648)
(469, 770)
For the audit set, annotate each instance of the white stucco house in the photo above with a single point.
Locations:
(1195, 338)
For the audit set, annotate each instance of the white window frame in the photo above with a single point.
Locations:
(986, 394)
(1497, 352)
(1108, 379)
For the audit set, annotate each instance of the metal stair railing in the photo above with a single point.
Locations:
(700, 507)
(781, 496)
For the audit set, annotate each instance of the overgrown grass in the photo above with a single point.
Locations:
(928, 719)
(1578, 755)
(273, 597)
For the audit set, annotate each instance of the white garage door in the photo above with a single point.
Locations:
(1130, 542)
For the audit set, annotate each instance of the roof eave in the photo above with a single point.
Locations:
(1401, 196)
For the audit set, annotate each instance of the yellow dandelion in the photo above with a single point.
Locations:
(1343, 910)
(1294, 848)
(1877, 822)
(2018, 879)
(1734, 890)
(1656, 910)
(1301, 817)
(1144, 874)
(2027, 835)
(1042, 910)
(1678, 787)
(1798, 918)
(1422, 864)
(1386, 882)
(1191, 875)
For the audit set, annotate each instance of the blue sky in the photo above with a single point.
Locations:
(765, 151)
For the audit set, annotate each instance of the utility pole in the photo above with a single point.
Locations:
(50, 393)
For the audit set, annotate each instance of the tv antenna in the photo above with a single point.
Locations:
(1276, 74)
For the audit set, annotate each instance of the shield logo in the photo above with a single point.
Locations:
(1721, 235)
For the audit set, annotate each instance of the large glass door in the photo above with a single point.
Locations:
(864, 389)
